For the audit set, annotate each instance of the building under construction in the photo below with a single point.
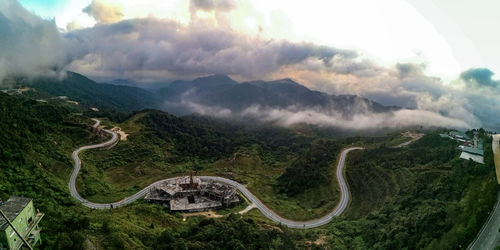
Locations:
(20, 224)
(192, 194)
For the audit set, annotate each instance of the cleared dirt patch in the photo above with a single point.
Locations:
(413, 137)
(119, 131)
(208, 214)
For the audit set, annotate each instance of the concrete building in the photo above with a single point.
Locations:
(459, 135)
(23, 216)
(191, 194)
(471, 148)
(469, 156)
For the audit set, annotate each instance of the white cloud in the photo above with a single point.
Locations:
(29, 45)
(160, 49)
(104, 12)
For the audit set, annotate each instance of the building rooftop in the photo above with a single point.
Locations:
(183, 204)
(472, 150)
(476, 158)
(445, 136)
(12, 207)
(459, 135)
(191, 193)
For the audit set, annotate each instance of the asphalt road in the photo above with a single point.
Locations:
(342, 205)
(489, 236)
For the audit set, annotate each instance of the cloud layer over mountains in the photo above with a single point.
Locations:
(151, 49)
(28, 44)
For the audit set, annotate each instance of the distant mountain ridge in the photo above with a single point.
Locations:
(182, 97)
(101, 95)
(223, 92)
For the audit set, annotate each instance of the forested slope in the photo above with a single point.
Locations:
(37, 140)
(419, 196)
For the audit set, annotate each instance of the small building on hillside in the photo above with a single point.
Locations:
(23, 216)
(479, 158)
(460, 136)
(471, 148)
(192, 194)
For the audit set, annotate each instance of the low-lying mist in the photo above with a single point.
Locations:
(358, 121)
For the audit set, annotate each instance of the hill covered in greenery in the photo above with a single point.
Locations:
(107, 97)
(38, 139)
(419, 196)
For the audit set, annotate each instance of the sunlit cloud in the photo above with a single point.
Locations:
(329, 47)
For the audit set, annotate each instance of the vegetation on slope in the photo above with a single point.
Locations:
(311, 170)
(419, 196)
(161, 146)
(77, 87)
(35, 162)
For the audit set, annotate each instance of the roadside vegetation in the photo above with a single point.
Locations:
(418, 196)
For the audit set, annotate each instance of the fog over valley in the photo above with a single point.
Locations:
(150, 49)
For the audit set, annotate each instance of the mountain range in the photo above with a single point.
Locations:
(215, 92)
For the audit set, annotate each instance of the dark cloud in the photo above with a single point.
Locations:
(144, 46)
(208, 5)
(480, 76)
(153, 49)
(409, 69)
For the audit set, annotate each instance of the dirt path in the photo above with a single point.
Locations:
(414, 137)
(123, 135)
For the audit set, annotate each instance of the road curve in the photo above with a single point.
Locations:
(342, 205)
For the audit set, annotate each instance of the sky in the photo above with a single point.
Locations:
(449, 36)
(437, 56)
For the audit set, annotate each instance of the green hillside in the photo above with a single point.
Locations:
(107, 97)
(35, 162)
(421, 196)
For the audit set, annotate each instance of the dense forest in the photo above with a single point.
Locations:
(35, 163)
(419, 196)
(310, 170)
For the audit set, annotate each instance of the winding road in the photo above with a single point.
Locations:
(342, 205)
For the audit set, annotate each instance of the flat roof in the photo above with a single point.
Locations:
(459, 134)
(445, 136)
(476, 158)
(12, 207)
(182, 204)
(472, 150)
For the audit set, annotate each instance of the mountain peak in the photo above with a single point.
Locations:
(216, 78)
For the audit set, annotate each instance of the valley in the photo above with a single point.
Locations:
(344, 192)
(242, 124)
(385, 182)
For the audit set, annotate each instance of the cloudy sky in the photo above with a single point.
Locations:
(437, 56)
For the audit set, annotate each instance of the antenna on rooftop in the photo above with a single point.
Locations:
(475, 138)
